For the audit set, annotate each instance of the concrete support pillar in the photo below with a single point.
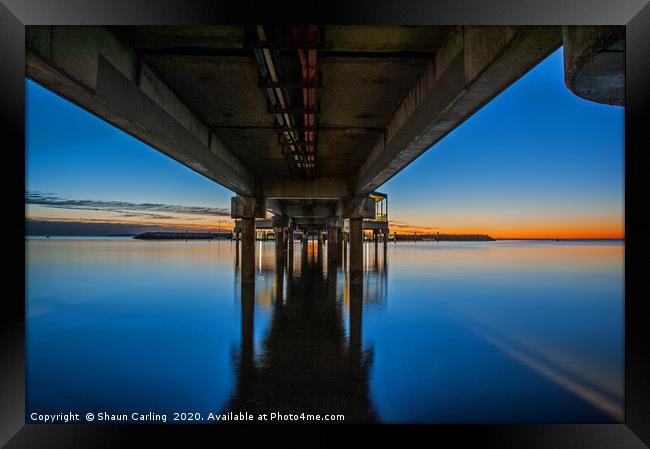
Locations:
(247, 209)
(290, 243)
(280, 224)
(304, 255)
(356, 209)
(280, 246)
(339, 243)
(332, 250)
(385, 260)
(319, 248)
(375, 236)
(332, 240)
(356, 250)
(237, 251)
(248, 250)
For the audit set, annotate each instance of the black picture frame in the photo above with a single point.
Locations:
(634, 14)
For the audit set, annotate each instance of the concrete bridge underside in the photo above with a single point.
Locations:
(306, 122)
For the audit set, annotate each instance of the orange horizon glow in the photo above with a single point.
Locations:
(607, 226)
(527, 234)
(569, 232)
(595, 224)
(577, 229)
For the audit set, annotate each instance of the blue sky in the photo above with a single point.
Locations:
(537, 159)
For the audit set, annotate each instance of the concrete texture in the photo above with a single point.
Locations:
(594, 62)
(248, 250)
(92, 67)
(388, 93)
(247, 207)
(356, 250)
(356, 207)
(472, 66)
(280, 221)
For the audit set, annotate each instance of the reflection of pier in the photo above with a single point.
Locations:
(307, 363)
(375, 279)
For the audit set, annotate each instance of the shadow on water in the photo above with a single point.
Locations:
(476, 332)
(307, 362)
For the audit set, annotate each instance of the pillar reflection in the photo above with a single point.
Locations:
(307, 361)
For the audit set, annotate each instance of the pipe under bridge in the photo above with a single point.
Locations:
(306, 122)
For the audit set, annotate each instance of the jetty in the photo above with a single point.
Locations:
(183, 235)
(306, 123)
(444, 237)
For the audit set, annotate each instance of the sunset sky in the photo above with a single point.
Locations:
(536, 162)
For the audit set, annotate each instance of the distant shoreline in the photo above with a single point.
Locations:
(564, 239)
(131, 236)
(184, 236)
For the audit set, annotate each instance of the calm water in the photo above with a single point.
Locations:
(507, 331)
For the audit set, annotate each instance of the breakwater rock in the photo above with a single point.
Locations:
(183, 235)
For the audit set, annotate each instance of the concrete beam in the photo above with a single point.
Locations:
(96, 70)
(317, 188)
(280, 221)
(310, 210)
(356, 207)
(310, 221)
(259, 224)
(334, 222)
(247, 207)
(594, 63)
(474, 65)
(371, 224)
(275, 207)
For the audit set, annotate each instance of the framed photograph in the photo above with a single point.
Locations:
(200, 236)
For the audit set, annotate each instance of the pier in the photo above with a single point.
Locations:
(306, 123)
(188, 235)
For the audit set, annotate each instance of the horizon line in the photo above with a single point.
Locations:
(191, 231)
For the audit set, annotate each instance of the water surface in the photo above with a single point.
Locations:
(506, 331)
